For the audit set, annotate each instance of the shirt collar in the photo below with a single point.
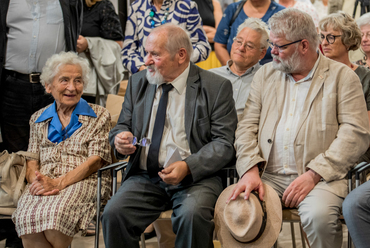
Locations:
(82, 108)
(180, 82)
(248, 71)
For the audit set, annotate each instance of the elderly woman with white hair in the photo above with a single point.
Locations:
(70, 137)
(363, 23)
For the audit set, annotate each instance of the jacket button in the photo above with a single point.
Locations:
(269, 141)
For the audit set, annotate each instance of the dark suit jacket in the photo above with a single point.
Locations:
(210, 120)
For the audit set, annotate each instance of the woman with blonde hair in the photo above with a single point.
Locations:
(340, 34)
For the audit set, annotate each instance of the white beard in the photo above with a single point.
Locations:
(154, 77)
(289, 65)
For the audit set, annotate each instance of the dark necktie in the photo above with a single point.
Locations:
(152, 159)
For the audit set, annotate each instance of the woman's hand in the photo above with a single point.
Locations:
(44, 185)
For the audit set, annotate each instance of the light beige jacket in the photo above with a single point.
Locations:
(332, 133)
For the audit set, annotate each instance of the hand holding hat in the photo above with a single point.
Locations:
(248, 223)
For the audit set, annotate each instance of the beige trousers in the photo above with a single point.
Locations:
(319, 212)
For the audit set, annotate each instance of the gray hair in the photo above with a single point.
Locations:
(55, 62)
(341, 21)
(259, 26)
(363, 20)
(177, 38)
(294, 25)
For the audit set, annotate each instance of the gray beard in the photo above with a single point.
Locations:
(156, 79)
(288, 66)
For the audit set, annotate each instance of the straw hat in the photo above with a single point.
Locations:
(240, 222)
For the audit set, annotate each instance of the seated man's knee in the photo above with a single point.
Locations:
(319, 219)
(355, 203)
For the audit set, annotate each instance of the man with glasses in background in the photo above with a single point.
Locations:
(303, 128)
(248, 48)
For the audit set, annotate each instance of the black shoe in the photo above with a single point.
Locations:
(150, 235)
(13, 242)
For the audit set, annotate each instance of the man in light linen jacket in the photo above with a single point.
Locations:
(304, 127)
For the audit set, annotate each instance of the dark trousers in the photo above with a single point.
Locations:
(18, 101)
(139, 202)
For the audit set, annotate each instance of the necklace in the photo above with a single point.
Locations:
(151, 15)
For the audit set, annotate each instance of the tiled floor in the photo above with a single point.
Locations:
(284, 240)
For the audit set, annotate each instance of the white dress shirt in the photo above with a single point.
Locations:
(282, 160)
(174, 128)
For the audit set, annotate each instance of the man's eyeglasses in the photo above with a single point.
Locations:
(282, 47)
(239, 42)
(329, 38)
(367, 35)
(143, 142)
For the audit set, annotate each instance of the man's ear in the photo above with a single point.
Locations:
(263, 53)
(305, 46)
(182, 55)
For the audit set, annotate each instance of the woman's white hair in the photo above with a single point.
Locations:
(55, 62)
(259, 26)
(363, 20)
(294, 25)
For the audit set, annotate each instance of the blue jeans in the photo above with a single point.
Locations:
(18, 101)
(356, 212)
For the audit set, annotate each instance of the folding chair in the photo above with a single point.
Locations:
(119, 166)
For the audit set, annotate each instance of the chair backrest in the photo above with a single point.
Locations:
(114, 106)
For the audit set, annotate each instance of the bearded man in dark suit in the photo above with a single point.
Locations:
(181, 108)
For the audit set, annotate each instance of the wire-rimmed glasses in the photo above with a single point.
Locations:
(247, 45)
(143, 142)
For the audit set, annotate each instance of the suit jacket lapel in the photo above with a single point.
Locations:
(316, 84)
(149, 97)
(190, 98)
(280, 94)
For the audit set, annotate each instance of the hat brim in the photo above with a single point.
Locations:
(273, 224)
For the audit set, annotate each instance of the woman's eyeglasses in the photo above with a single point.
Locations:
(329, 38)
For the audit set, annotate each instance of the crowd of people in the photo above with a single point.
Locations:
(267, 86)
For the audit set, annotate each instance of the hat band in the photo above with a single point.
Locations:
(264, 219)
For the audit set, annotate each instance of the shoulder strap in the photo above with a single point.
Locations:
(240, 6)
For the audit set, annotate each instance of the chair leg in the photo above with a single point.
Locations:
(349, 241)
(142, 239)
(293, 234)
(303, 235)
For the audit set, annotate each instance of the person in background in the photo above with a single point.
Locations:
(30, 32)
(248, 48)
(144, 15)
(303, 6)
(321, 7)
(211, 13)
(363, 23)
(304, 126)
(340, 34)
(334, 6)
(226, 31)
(100, 34)
(70, 137)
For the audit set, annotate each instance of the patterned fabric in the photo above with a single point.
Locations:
(309, 9)
(101, 20)
(74, 207)
(183, 13)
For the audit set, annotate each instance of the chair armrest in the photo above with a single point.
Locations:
(121, 165)
(356, 168)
